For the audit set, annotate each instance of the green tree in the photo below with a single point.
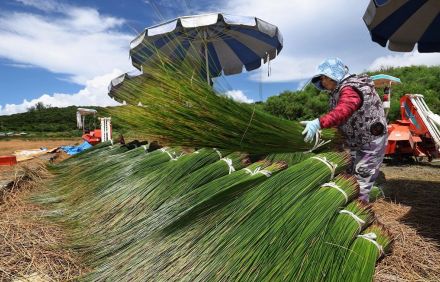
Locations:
(298, 105)
(310, 103)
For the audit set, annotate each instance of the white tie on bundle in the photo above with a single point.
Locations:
(359, 220)
(229, 163)
(372, 238)
(335, 186)
(332, 166)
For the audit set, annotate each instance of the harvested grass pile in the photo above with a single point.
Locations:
(209, 215)
(25, 177)
(28, 245)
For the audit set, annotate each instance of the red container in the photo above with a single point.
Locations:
(8, 160)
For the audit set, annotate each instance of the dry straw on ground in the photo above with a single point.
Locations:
(28, 245)
(414, 257)
(411, 212)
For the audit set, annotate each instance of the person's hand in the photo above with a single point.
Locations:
(311, 128)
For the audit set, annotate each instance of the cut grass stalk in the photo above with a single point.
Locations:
(181, 112)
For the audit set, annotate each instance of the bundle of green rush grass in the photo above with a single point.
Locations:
(329, 254)
(172, 107)
(142, 250)
(212, 194)
(95, 175)
(255, 236)
(98, 150)
(101, 150)
(128, 200)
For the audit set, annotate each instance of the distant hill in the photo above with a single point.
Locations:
(46, 121)
(293, 105)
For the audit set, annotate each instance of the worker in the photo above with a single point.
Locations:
(356, 109)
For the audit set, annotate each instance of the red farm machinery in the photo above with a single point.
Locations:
(416, 135)
(94, 136)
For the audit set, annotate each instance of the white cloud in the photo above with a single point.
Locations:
(74, 41)
(238, 96)
(316, 29)
(94, 94)
(405, 60)
(80, 43)
(287, 68)
(45, 5)
(313, 30)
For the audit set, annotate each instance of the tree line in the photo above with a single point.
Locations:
(306, 104)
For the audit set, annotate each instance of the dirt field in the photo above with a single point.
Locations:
(8, 147)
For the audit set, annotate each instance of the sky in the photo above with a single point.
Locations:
(66, 52)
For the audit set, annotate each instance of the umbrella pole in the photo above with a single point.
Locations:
(206, 56)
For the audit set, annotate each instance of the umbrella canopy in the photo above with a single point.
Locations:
(123, 85)
(383, 80)
(220, 42)
(403, 23)
(117, 83)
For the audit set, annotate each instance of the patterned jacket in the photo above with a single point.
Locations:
(366, 123)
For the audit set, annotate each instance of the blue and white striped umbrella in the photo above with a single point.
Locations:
(222, 42)
(403, 23)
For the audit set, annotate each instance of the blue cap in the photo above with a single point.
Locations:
(333, 68)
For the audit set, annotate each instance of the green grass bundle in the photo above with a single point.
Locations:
(104, 150)
(126, 202)
(181, 111)
(104, 256)
(93, 176)
(184, 251)
(359, 265)
(82, 157)
(329, 252)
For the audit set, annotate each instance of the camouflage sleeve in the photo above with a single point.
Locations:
(349, 102)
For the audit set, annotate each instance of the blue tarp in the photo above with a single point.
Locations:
(73, 150)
